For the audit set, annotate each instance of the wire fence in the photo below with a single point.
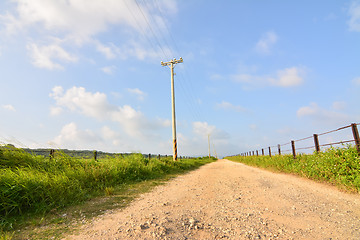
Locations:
(85, 154)
(281, 148)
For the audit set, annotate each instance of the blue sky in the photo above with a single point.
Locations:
(84, 74)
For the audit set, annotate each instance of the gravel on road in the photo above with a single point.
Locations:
(228, 200)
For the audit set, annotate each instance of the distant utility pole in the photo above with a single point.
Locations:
(209, 144)
(171, 64)
(215, 151)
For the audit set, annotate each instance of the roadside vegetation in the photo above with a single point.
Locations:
(338, 166)
(32, 186)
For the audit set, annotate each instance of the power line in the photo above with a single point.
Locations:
(152, 31)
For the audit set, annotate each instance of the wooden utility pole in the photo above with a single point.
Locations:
(209, 144)
(171, 64)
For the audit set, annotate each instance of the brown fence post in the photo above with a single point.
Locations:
(253, 153)
(316, 141)
(270, 151)
(356, 136)
(52, 153)
(257, 153)
(262, 150)
(279, 149)
(293, 148)
(159, 156)
(95, 155)
(149, 156)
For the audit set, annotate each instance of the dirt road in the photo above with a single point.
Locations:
(227, 200)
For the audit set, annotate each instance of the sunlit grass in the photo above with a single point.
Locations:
(339, 166)
(31, 184)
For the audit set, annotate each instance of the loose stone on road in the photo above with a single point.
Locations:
(228, 200)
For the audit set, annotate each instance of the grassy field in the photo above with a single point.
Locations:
(338, 166)
(32, 185)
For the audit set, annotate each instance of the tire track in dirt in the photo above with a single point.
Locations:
(227, 200)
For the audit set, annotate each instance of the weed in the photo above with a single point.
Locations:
(32, 186)
(339, 166)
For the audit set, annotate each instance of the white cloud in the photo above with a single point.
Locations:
(288, 77)
(313, 109)
(44, 56)
(9, 107)
(253, 126)
(356, 81)
(71, 136)
(228, 106)
(266, 42)
(137, 92)
(322, 115)
(108, 52)
(55, 111)
(354, 12)
(108, 69)
(95, 105)
(339, 105)
(203, 129)
(81, 18)
(78, 22)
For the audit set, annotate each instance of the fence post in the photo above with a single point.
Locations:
(293, 148)
(279, 149)
(159, 156)
(356, 136)
(257, 153)
(270, 151)
(316, 141)
(262, 150)
(95, 155)
(253, 153)
(149, 156)
(52, 153)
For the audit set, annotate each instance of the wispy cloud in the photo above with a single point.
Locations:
(322, 115)
(108, 69)
(266, 42)
(288, 77)
(354, 13)
(203, 129)
(356, 81)
(229, 106)
(137, 92)
(9, 107)
(57, 29)
(45, 56)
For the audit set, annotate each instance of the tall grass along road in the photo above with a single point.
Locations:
(229, 200)
(338, 166)
(32, 186)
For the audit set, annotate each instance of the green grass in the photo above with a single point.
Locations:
(33, 185)
(338, 166)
